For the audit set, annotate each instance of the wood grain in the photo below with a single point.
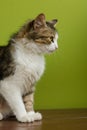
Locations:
(73, 119)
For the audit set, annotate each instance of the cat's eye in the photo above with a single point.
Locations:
(52, 39)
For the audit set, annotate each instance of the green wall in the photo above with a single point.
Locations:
(64, 84)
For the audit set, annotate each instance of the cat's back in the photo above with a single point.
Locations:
(2, 50)
(5, 53)
(6, 61)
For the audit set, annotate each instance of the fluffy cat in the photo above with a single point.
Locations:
(21, 66)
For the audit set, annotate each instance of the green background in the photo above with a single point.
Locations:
(64, 83)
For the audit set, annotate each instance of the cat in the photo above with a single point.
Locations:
(21, 66)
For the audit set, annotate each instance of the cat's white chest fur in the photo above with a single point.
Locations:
(29, 64)
(33, 64)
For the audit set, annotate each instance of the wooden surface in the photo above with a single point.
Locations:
(52, 120)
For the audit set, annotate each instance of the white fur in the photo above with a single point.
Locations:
(48, 48)
(29, 68)
(1, 116)
(54, 45)
(34, 116)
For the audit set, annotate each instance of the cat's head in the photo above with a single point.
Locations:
(39, 35)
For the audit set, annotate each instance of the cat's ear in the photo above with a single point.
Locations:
(54, 22)
(39, 21)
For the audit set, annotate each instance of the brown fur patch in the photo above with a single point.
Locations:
(39, 30)
(7, 65)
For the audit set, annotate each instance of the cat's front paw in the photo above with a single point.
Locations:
(25, 119)
(34, 116)
(30, 117)
(38, 116)
(1, 116)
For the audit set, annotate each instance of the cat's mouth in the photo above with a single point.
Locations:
(50, 51)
